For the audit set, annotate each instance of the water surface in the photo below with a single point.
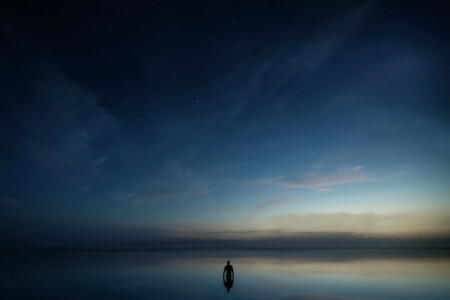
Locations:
(300, 274)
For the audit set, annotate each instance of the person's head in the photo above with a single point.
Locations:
(228, 262)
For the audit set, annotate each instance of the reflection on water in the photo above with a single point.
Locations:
(228, 282)
(258, 275)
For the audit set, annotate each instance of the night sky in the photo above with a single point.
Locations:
(136, 121)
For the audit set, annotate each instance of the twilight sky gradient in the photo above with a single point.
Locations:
(125, 121)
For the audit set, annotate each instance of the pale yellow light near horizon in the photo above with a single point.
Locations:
(285, 225)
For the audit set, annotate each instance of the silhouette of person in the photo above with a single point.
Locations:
(227, 276)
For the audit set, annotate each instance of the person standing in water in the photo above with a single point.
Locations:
(228, 269)
(228, 279)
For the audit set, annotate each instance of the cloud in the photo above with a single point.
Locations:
(63, 125)
(330, 38)
(173, 184)
(320, 179)
(9, 202)
(274, 202)
(101, 160)
(364, 223)
(143, 239)
(120, 196)
(323, 229)
(265, 180)
(84, 189)
(282, 66)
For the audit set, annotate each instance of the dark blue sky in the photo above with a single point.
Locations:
(135, 120)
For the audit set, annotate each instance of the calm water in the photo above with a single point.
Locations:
(302, 274)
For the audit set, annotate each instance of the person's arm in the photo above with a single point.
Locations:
(224, 270)
(232, 271)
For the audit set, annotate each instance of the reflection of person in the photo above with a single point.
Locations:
(227, 278)
(228, 284)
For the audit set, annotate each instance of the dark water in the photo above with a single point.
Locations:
(198, 275)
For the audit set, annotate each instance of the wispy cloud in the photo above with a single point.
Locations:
(101, 160)
(84, 189)
(9, 202)
(320, 179)
(308, 56)
(265, 180)
(63, 124)
(330, 38)
(275, 202)
(174, 184)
